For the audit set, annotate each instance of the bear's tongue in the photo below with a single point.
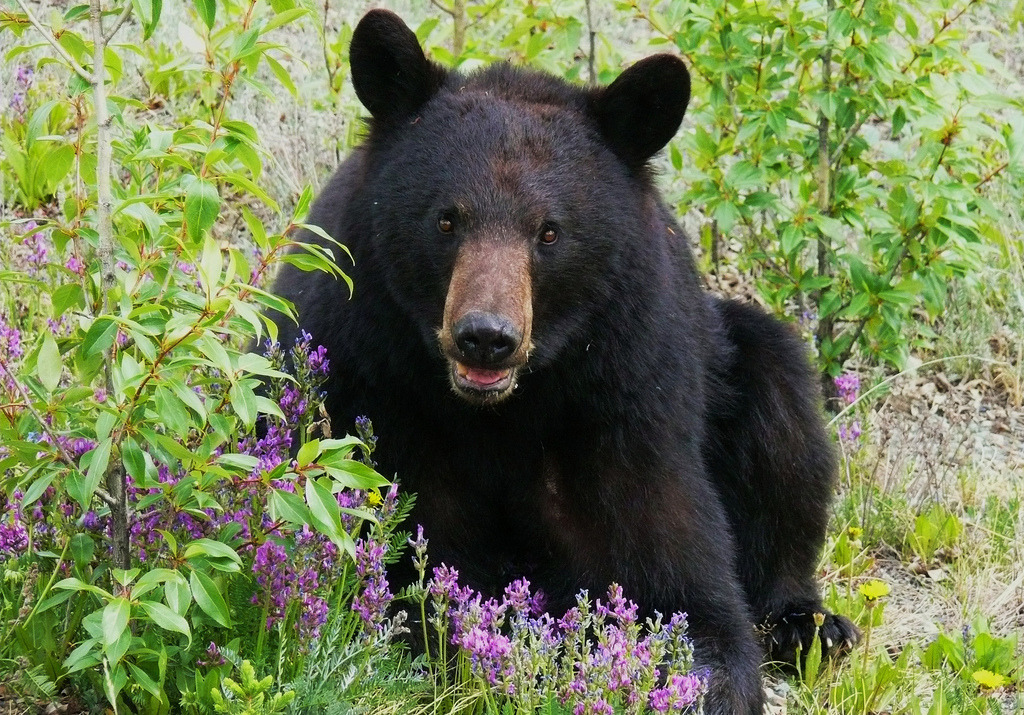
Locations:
(480, 376)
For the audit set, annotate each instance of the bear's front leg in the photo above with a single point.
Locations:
(664, 538)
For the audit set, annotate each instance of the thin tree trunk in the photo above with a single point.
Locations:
(105, 250)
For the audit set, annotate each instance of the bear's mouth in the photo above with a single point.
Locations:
(482, 385)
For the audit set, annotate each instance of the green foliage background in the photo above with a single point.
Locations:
(858, 163)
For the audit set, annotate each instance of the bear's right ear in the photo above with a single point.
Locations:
(391, 75)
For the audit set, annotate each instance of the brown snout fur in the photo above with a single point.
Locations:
(490, 276)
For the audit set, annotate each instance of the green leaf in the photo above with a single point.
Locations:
(115, 677)
(76, 12)
(243, 400)
(172, 412)
(36, 126)
(207, 10)
(812, 663)
(82, 549)
(244, 44)
(323, 507)
(213, 549)
(302, 206)
(65, 298)
(290, 507)
(77, 584)
(899, 119)
(133, 458)
(209, 598)
(211, 263)
(49, 365)
(307, 453)
(57, 163)
(283, 17)
(178, 596)
(82, 490)
(142, 678)
(148, 12)
(166, 618)
(744, 175)
(100, 336)
(36, 489)
(266, 406)
(115, 620)
(353, 474)
(202, 206)
(244, 462)
(283, 75)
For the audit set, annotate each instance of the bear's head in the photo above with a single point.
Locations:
(507, 204)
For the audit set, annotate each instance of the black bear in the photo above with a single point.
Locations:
(530, 339)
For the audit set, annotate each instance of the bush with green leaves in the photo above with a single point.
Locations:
(848, 149)
(152, 517)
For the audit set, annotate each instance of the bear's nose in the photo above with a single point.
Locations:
(485, 339)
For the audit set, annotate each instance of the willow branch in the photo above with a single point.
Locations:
(49, 37)
(120, 21)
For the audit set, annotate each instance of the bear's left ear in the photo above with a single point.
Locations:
(641, 110)
(391, 75)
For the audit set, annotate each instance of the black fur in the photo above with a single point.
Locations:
(659, 438)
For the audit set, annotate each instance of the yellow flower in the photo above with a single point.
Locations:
(989, 680)
(373, 498)
(855, 532)
(874, 589)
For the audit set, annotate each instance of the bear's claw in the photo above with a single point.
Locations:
(788, 636)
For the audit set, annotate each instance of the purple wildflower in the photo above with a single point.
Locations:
(38, 248)
(10, 342)
(373, 601)
(213, 657)
(680, 692)
(848, 386)
(22, 81)
(851, 433)
(445, 584)
(276, 578)
(13, 535)
(75, 265)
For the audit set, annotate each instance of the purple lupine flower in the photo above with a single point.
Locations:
(489, 654)
(23, 75)
(617, 607)
(373, 601)
(10, 342)
(313, 615)
(59, 327)
(75, 265)
(848, 386)
(276, 577)
(851, 433)
(318, 362)
(13, 536)
(517, 596)
(91, 522)
(22, 81)
(680, 692)
(445, 583)
(212, 657)
(38, 247)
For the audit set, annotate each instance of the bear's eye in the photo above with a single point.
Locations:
(445, 223)
(548, 234)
